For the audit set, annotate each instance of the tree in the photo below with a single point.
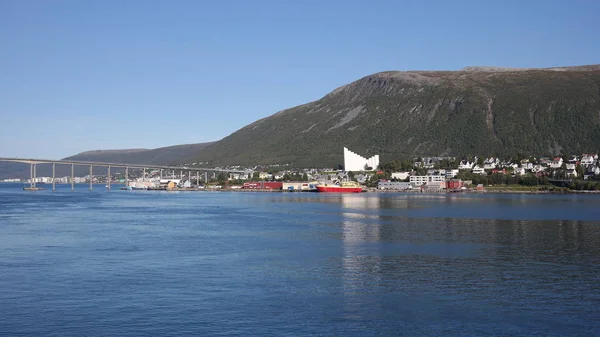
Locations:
(222, 178)
(580, 171)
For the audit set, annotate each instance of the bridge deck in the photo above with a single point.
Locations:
(138, 166)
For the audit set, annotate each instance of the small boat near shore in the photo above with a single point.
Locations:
(32, 189)
(343, 187)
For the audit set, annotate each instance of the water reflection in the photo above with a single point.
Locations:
(361, 267)
(385, 246)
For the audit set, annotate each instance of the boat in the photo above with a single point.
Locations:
(343, 187)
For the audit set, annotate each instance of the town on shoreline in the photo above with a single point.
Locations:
(559, 174)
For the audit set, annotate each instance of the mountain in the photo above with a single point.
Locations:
(473, 111)
(160, 156)
(396, 114)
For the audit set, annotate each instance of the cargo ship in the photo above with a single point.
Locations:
(343, 187)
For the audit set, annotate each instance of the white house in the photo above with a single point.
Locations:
(238, 176)
(478, 170)
(571, 170)
(527, 165)
(465, 165)
(490, 163)
(588, 159)
(537, 168)
(519, 170)
(556, 163)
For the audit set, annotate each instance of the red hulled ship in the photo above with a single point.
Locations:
(344, 187)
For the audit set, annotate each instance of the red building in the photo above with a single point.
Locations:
(455, 184)
(263, 185)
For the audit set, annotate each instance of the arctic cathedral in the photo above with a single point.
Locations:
(354, 162)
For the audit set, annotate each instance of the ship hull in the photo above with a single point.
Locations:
(339, 189)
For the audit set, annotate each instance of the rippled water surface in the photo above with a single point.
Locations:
(133, 263)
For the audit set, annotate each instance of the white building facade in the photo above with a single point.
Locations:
(393, 185)
(400, 175)
(421, 180)
(354, 162)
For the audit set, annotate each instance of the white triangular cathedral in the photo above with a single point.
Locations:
(354, 162)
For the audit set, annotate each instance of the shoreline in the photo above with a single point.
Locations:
(373, 190)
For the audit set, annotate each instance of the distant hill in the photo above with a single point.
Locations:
(474, 111)
(160, 156)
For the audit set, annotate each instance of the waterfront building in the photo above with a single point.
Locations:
(422, 180)
(393, 185)
(297, 185)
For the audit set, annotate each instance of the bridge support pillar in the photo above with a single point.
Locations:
(144, 175)
(53, 177)
(34, 174)
(72, 177)
(108, 178)
(91, 176)
(31, 175)
(126, 176)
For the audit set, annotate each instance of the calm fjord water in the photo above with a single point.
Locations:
(130, 263)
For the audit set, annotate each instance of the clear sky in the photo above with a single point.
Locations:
(84, 75)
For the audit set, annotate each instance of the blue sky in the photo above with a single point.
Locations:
(84, 75)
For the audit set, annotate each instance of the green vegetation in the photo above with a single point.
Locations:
(580, 185)
(408, 114)
(530, 189)
(503, 179)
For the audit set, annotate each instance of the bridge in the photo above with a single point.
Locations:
(34, 162)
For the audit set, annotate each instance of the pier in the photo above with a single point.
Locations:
(34, 162)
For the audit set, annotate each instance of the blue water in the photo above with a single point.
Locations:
(140, 263)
